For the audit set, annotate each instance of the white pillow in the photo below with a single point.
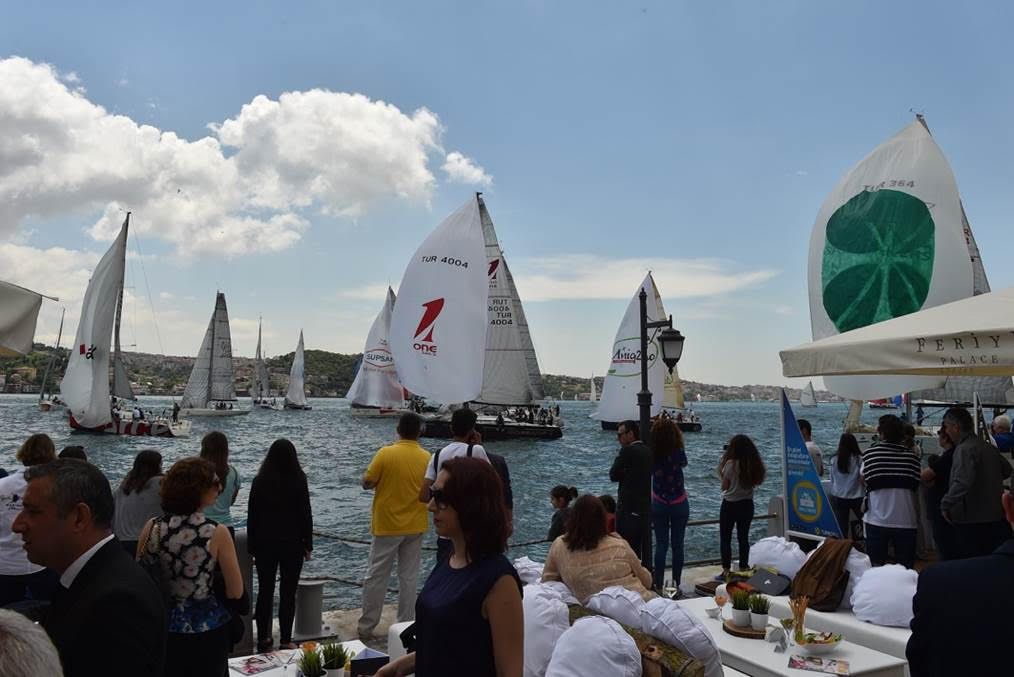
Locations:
(595, 646)
(528, 571)
(619, 604)
(666, 620)
(857, 564)
(561, 590)
(883, 596)
(774, 552)
(546, 618)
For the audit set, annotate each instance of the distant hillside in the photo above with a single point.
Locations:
(327, 375)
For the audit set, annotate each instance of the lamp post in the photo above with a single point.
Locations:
(670, 342)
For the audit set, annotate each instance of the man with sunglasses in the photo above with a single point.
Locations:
(632, 469)
(960, 607)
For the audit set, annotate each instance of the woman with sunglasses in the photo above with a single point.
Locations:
(188, 546)
(472, 601)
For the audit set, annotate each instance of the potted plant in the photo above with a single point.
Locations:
(759, 607)
(741, 608)
(335, 657)
(310, 663)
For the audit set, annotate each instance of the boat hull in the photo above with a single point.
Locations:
(214, 412)
(298, 407)
(509, 430)
(684, 426)
(157, 428)
(378, 412)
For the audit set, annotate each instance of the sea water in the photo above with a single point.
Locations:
(335, 448)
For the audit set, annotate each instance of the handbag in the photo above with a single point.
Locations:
(152, 565)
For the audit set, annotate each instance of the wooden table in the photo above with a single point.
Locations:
(758, 657)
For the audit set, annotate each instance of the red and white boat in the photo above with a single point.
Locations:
(85, 389)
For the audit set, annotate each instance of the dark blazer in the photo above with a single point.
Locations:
(958, 606)
(111, 621)
(632, 469)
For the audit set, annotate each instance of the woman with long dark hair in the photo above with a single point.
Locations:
(846, 483)
(670, 505)
(215, 448)
(137, 498)
(588, 559)
(741, 469)
(279, 537)
(560, 497)
(472, 600)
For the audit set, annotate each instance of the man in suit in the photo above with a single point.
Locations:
(959, 607)
(632, 469)
(107, 616)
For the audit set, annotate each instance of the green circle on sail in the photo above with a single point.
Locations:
(878, 258)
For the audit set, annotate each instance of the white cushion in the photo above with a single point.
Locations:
(595, 646)
(774, 552)
(857, 564)
(546, 618)
(666, 620)
(561, 589)
(884, 596)
(528, 570)
(619, 604)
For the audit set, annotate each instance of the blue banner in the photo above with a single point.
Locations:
(807, 509)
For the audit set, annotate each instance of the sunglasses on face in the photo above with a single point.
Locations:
(438, 497)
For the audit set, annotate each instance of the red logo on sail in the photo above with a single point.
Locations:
(424, 332)
(493, 265)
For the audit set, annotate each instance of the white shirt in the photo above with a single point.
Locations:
(818, 460)
(454, 450)
(894, 508)
(67, 579)
(13, 558)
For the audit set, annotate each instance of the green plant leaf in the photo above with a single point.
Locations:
(878, 258)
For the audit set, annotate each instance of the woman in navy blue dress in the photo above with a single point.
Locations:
(469, 619)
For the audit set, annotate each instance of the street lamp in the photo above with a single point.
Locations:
(670, 342)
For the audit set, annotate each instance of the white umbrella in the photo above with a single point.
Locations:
(970, 337)
(19, 311)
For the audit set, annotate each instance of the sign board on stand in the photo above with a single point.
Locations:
(808, 513)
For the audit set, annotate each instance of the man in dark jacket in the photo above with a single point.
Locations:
(972, 501)
(632, 469)
(955, 630)
(107, 616)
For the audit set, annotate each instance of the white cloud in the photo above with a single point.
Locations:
(245, 188)
(370, 292)
(166, 296)
(463, 169)
(123, 82)
(587, 276)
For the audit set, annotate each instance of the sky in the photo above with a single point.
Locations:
(295, 155)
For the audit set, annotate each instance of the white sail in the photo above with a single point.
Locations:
(19, 312)
(438, 328)
(211, 379)
(623, 380)
(376, 383)
(511, 374)
(296, 393)
(85, 386)
(592, 395)
(808, 398)
(889, 240)
(261, 379)
(672, 389)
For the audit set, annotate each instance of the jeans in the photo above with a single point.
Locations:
(879, 538)
(738, 514)
(635, 528)
(669, 522)
(842, 507)
(269, 561)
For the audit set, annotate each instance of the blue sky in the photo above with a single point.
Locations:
(698, 139)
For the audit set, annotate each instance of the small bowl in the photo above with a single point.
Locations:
(714, 612)
(820, 648)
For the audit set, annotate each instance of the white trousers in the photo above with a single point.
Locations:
(383, 551)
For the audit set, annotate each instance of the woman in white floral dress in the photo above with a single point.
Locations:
(188, 546)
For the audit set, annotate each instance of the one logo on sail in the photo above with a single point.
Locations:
(424, 332)
(491, 272)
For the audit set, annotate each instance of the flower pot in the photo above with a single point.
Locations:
(758, 621)
(741, 617)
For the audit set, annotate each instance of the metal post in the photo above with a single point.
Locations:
(245, 646)
(644, 397)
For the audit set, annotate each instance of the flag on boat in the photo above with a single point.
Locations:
(808, 513)
(19, 312)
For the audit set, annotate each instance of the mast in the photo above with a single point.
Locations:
(52, 358)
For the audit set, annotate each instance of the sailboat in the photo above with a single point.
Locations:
(260, 388)
(592, 395)
(295, 398)
(210, 390)
(896, 223)
(458, 311)
(85, 388)
(808, 398)
(53, 401)
(376, 391)
(623, 379)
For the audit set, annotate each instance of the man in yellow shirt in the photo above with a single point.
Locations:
(399, 521)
